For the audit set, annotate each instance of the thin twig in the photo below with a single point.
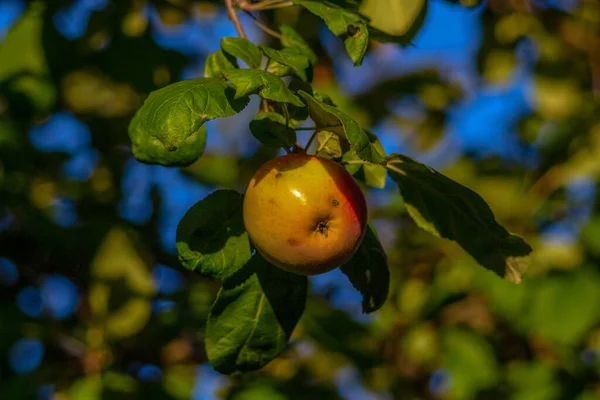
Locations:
(312, 128)
(263, 26)
(265, 5)
(311, 139)
(234, 18)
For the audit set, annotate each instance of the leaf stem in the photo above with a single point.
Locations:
(234, 18)
(264, 27)
(357, 162)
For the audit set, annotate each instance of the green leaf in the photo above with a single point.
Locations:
(394, 17)
(357, 42)
(152, 151)
(551, 307)
(175, 112)
(290, 57)
(279, 69)
(243, 49)
(396, 21)
(471, 362)
(263, 83)
(338, 122)
(218, 63)
(448, 209)
(329, 144)
(336, 18)
(254, 316)
(368, 272)
(345, 22)
(292, 39)
(211, 238)
(271, 130)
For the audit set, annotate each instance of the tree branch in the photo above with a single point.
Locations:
(234, 18)
(263, 26)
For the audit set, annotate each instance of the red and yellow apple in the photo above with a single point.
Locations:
(305, 214)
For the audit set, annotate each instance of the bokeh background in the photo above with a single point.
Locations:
(502, 96)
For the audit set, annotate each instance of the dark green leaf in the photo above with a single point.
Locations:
(292, 39)
(218, 63)
(263, 83)
(243, 49)
(271, 130)
(254, 316)
(152, 151)
(447, 209)
(175, 112)
(345, 22)
(211, 238)
(290, 57)
(338, 122)
(368, 272)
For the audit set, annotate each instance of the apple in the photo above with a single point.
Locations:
(305, 214)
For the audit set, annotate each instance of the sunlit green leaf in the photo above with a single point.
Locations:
(290, 57)
(271, 130)
(173, 113)
(243, 49)
(263, 83)
(218, 63)
(211, 238)
(368, 272)
(338, 122)
(253, 317)
(447, 209)
(346, 22)
(152, 151)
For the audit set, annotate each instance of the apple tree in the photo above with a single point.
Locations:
(258, 305)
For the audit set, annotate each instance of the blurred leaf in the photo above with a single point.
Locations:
(253, 317)
(215, 169)
(122, 287)
(243, 49)
(394, 17)
(368, 272)
(263, 83)
(336, 331)
(590, 236)
(328, 144)
(174, 113)
(342, 21)
(219, 63)
(293, 40)
(117, 257)
(211, 238)
(291, 57)
(154, 152)
(551, 311)
(532, 381)
(334, 120)
(471, 362)
(447, 209)
(25, 34)
(271, 130)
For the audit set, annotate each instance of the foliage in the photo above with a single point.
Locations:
(125, 149)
